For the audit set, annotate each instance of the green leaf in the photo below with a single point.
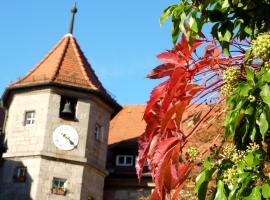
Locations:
(265, 94)
(248, 53)
(266, 76)
(202, 182)
(250, 74)
(263, 124)
(175, 30)
(166, 13)
(193, 24)
(266, 190)
(249, 110)
(255, 194)
(248, 30)
(249, 159)
(220, 195)
(233, 192)
(244, 89)
(253, 133)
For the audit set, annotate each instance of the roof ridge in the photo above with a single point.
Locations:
(92, 72)
(78, 57)
(61, 58)
(41, 62)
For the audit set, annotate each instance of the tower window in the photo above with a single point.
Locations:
(124, 160)
(20, 174)
(59, 186)
(68, 108)
(29, 118)
(98, 132)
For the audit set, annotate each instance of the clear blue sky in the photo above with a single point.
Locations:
(120, 38)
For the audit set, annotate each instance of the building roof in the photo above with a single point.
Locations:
(127, 124)
(64, 64)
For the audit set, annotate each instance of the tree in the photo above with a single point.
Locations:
(233, 68)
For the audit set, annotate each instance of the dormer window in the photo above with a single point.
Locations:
(124, 160)
(98, 132)
(29, 118)
(68, 108)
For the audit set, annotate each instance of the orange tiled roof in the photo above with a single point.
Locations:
(129, 124)
(64, 64)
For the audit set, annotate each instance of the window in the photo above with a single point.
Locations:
(29, 118)
(98, 132)
(67, 109)
(124, 160)
(20, 174)
(59, 186)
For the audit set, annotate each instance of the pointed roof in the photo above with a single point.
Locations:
(64, 64)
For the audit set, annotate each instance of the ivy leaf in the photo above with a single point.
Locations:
(265, 94)
(255, 194)
(263, 124)
(233, 192)
(202, 183)
(249, 159)
(266, 191)
(244, 89)
(220, 195)
(250, 74)
(266, 76)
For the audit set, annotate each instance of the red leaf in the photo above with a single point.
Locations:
(161, 71)
(169, 57)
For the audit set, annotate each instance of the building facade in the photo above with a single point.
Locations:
(122, 182)
(56, 129)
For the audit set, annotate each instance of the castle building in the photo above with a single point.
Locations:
(56, 129)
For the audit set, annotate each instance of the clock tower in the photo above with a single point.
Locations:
(56, 129)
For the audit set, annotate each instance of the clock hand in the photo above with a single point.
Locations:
(66, 137)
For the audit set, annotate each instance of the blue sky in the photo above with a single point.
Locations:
(120, 38)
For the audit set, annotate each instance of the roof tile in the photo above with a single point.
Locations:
(64, 64)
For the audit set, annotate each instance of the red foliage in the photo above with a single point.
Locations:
(163, 140)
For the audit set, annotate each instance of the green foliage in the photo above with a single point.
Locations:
(249, 108)
(228, 19)
(237, 174)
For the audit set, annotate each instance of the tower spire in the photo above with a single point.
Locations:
(73, 11)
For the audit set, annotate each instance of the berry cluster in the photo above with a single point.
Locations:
(252, 147)
(230, 152)
(230, 77)
(229, 176)
(192, 153)
(261, 48)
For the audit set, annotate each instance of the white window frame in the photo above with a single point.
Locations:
(58, 185)
(29, 118)
(125, 160)
(99, 133)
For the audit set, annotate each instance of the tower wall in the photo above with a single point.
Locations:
(32, 147)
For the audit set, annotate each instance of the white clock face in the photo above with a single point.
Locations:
(65, 137)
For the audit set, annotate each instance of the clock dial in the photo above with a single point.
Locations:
(65, 137)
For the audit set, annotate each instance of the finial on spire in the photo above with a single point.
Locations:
(73, 11)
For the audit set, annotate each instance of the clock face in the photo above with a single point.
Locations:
(65, 137)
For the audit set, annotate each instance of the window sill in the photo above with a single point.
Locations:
(58, 191)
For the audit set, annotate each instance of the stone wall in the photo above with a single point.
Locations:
(33, 147)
